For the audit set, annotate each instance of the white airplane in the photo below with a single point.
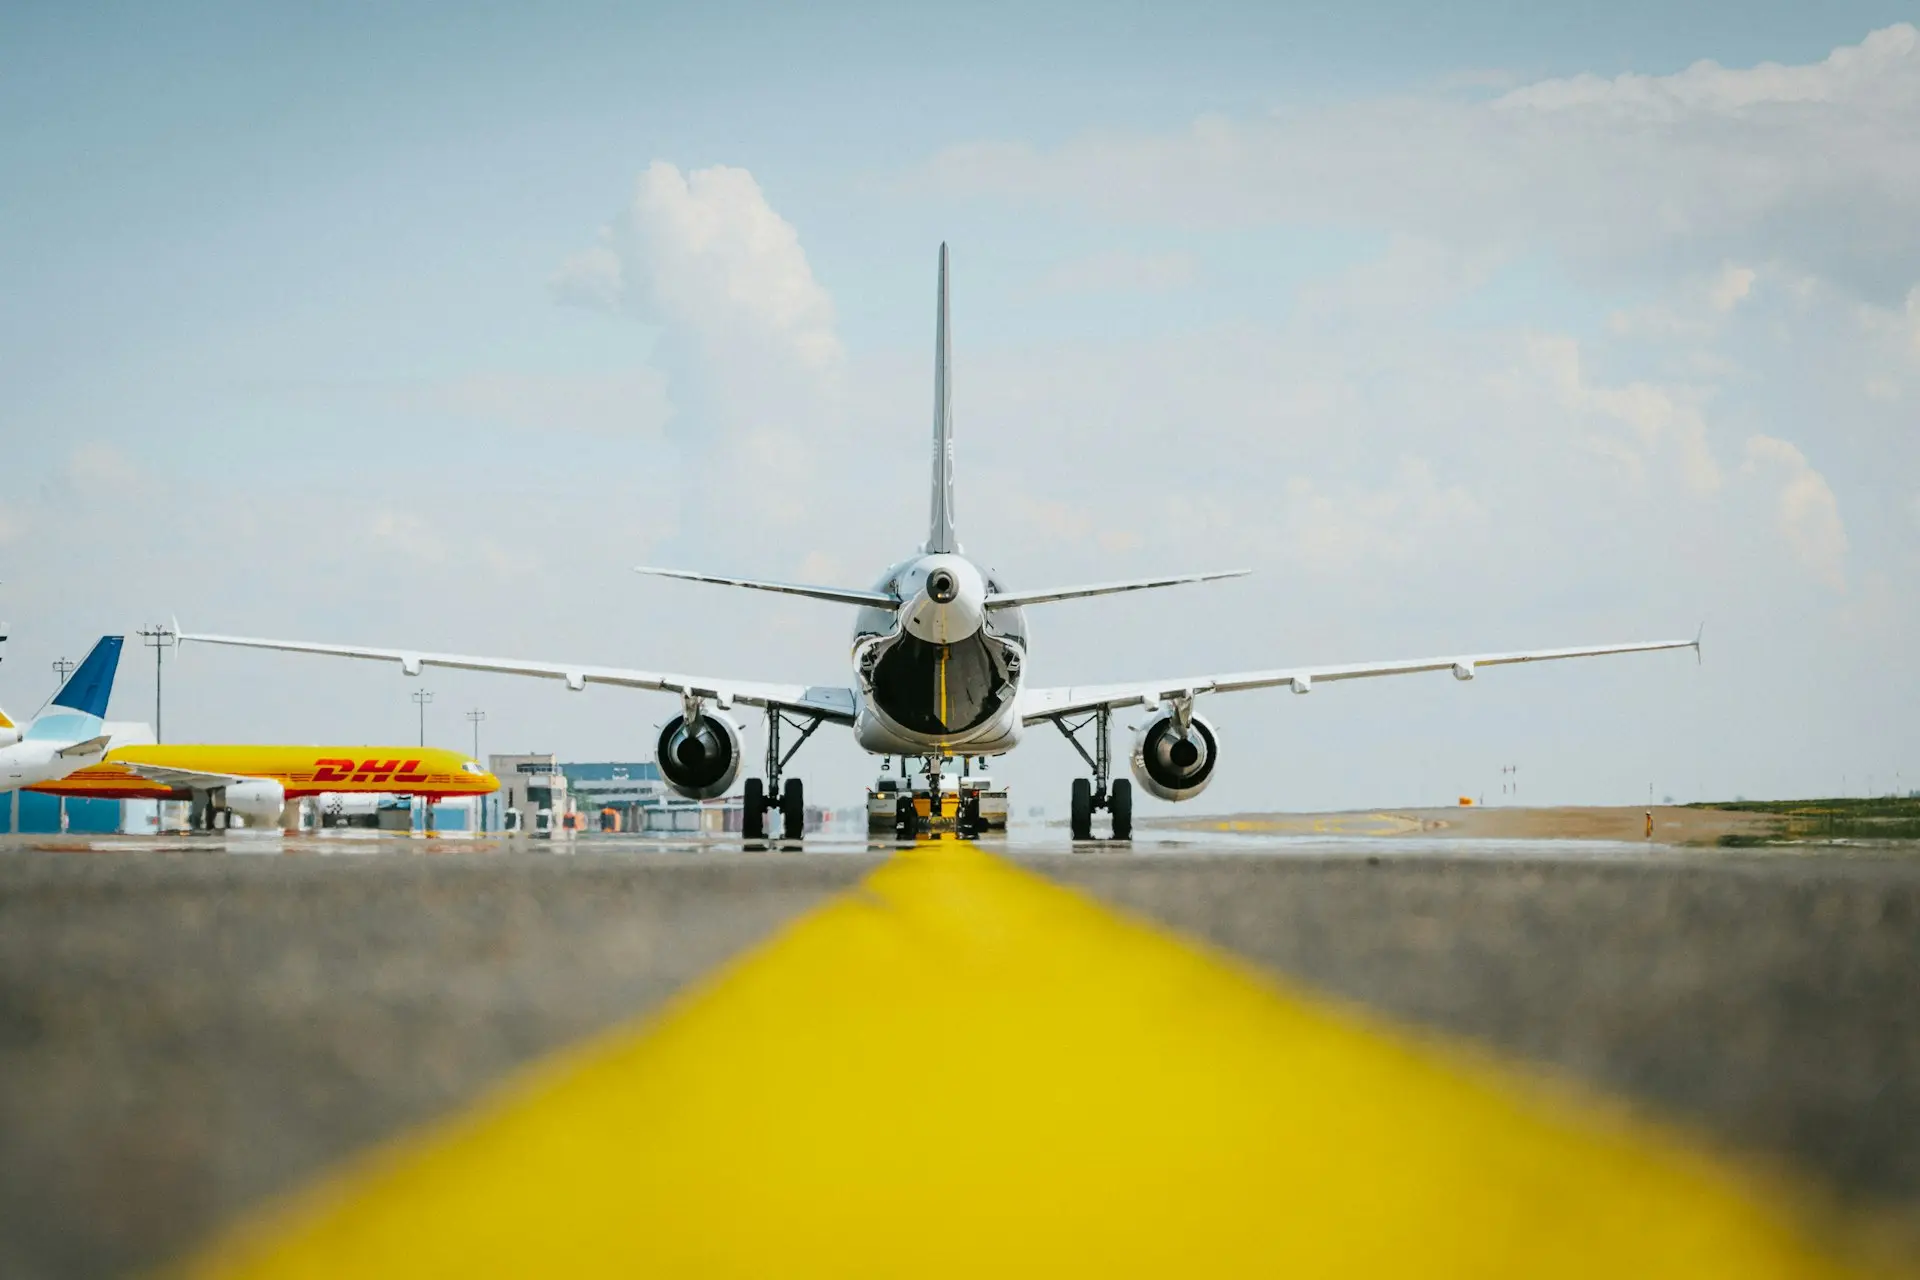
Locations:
(70, 735)
(939, 670)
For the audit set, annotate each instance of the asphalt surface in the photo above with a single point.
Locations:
(183, 1034)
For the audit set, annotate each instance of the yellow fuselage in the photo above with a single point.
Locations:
(303, 771)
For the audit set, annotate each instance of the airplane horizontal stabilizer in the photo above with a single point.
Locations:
(841, 595)
(1015, 599)
(88, 747)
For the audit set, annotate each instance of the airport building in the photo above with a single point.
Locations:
(30, 813)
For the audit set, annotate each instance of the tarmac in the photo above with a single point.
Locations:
(192, 1030)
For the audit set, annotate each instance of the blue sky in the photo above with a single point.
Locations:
(1459, 339)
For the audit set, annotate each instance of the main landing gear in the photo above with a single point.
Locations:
(789, 800)
(1101, 791)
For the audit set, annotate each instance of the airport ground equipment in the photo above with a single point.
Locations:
(939, 667)
(917, 801)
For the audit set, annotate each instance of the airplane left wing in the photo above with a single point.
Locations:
(826, 702)
(182, 779)
(1046, 704)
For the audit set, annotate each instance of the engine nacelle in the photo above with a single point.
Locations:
(258, 800)
(9, 736)
(1168, 765)
(701, 761)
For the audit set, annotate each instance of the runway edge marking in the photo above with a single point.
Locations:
(959, 1066)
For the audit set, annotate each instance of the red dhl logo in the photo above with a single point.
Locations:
(367, 771)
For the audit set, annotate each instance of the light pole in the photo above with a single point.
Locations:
(422, 697)
(157, 638)
(62, 667)
(474, 717)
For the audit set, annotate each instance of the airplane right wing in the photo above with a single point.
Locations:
(826, 702)
(1037, 705)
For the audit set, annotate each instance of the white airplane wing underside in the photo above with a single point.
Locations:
(1045, 704)
(827, 702)
(183, 779)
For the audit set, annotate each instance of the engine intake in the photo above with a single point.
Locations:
(1170, 766)
(699, 760)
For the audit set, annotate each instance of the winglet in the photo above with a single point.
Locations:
(1696, 641)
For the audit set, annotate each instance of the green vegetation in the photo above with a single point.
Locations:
(1878, 818)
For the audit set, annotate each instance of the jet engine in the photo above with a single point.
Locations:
(1169, 765)
(699, 760)
(258, 800)
(9, 736)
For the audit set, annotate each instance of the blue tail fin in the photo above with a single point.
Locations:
(91, 685)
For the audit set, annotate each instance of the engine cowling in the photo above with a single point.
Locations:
(699, 761)
(258, 800)
(1169, 766)
(9, 736)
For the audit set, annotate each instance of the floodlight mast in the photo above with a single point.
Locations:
(422, 697)
(157, 637)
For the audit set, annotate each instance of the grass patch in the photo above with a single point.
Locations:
(1877, 818)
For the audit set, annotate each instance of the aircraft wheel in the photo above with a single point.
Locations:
(753, 810)
(1082, 811)
(968, 821)
(793, 809)
(1120, 805)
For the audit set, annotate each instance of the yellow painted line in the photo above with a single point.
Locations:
(1370, 824)
(962, 1069)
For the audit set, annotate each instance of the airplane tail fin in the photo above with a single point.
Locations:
(91, 684)
(940, 536)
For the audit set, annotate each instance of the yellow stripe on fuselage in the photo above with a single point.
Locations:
(302, 771)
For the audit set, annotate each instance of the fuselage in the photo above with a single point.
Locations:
(302, 771)
(940, 672)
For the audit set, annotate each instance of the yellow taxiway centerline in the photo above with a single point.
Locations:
(961, 1068)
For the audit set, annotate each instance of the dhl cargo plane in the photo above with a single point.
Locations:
(257, 781)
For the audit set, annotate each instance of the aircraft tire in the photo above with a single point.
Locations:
(793, 810)
(969, 823)
(1082, 810)
(753, 810)
(1120, 805)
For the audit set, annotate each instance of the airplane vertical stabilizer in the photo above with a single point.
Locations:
(88, 689)
(941, 537)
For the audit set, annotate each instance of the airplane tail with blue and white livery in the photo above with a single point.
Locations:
(72, 732)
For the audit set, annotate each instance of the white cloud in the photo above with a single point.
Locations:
(1410, 516)
(1806, 512)
(1697, 309)
(1662, 424)
(704, 252)
(100, 466)
(1121, 272)
(629, 403)
(1817, 165)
